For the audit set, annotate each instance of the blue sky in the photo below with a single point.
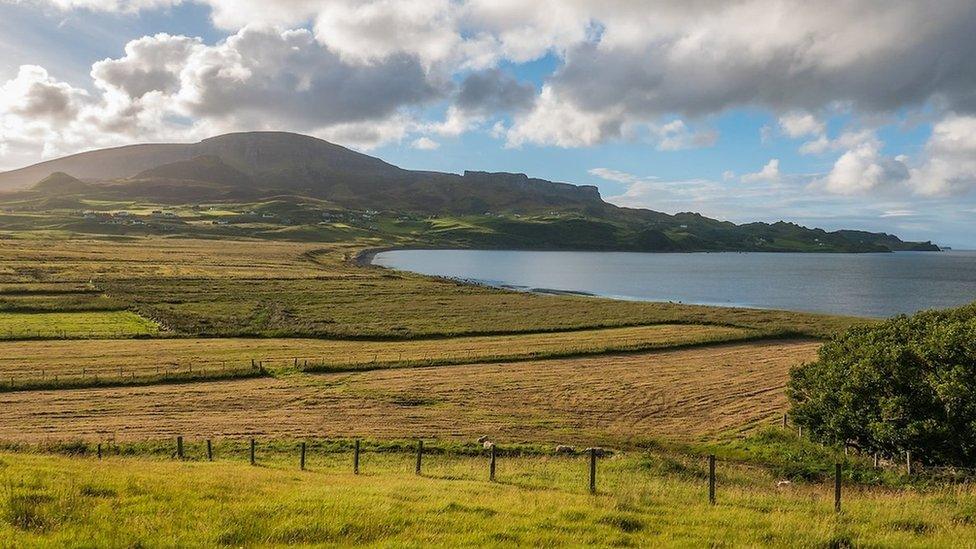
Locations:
(851, 115)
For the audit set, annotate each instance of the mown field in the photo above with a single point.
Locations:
(642, 500)
(618, 400)
(58, 363)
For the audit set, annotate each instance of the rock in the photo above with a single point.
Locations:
(563, 449)
(600, 452)
(487, 444)
(784, 484)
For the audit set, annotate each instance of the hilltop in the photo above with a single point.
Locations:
(300, 180)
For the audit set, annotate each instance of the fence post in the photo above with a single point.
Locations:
(491, 466)
(302, 460)
(908, 461)
(209, 450)
(420, 454)
(252, 451)
(837, 487)
(592, 470)
(355, 458)
(179, 447)
(99, 450)
(784, 421)
(711, 479)
(875, 460)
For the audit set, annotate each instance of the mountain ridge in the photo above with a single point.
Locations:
(255, 165)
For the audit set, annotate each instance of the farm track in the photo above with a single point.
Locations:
(612, 399)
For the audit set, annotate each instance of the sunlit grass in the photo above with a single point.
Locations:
(58, 501)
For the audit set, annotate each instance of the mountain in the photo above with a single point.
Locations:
(309, 175)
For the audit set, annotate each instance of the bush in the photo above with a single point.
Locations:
(908, 384)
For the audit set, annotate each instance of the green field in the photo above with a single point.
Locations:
(643, 499)
(86, 324)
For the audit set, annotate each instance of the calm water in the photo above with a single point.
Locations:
(853, 284)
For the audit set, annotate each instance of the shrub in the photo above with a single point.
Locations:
(908, 384)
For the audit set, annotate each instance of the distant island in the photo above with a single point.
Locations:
(294, 187)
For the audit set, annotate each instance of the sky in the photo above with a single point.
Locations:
(832, 114)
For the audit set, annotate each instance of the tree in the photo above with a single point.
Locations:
(907, 384)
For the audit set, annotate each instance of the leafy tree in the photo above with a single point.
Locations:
(907, 384)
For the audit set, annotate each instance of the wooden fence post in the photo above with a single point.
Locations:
(593, 470)
(837, 487)
(908, 461)
(355, 458)
(491, 466)
(301, 464)
(209, 450)
(252, 452)
(711, 479)
(99, 450)
(875, 460)
(784, 421)
(179, 447)
(420, 454)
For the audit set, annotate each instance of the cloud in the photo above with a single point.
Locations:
(800, 124)
(676, 136)
(425, 144)
(769, 173)
(618, 176)
(864, 168)
(949, 167)
(168, 87)
(34, 96)
(494, 91)
(151, 63)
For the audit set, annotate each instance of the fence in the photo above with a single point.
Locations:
(592, 456)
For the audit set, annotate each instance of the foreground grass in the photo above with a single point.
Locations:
(642, 499)
(86, 324)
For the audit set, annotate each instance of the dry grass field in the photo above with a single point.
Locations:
(611, 399)
(24, 364)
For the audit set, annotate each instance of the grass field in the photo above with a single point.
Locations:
(82, 324)
(55, 363)
(642, 500)
(619, 400)
(261, 288)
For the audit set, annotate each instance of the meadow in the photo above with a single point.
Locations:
(642, 499)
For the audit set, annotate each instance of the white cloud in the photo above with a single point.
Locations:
(619, 176)
(798, 124)
(950, 158)
(676, 136)
(864, 168)
(769, 173)
(425, 144)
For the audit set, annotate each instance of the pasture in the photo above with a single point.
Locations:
(643, 499)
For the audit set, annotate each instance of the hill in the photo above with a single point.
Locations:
(306, 177)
